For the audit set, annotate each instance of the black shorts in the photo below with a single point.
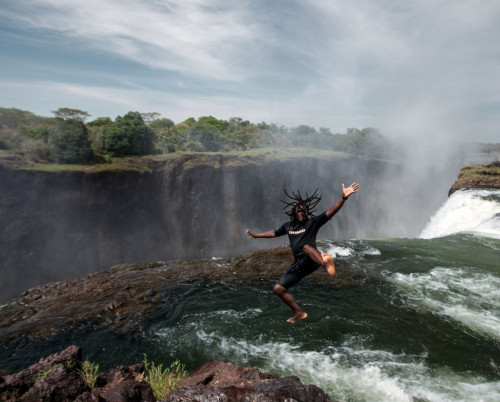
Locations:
(298, 270)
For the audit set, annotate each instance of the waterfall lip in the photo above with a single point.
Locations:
(467, 211)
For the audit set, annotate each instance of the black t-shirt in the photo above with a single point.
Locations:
(300, 234)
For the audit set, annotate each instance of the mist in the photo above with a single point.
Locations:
(425, 75)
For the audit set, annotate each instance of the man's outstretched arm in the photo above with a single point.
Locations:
(346, 192)
(268, 234)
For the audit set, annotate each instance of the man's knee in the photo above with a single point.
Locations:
(307, 247)
(278, 289)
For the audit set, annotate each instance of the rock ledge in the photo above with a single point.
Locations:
(57, 378)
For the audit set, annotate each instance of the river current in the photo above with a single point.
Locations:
(419, 319)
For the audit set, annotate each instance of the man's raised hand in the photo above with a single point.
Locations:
(347, 191)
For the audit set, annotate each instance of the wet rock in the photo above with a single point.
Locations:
(41, 379)
(58, 378)
(223, 381)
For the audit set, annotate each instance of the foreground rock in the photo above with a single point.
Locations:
(477, 176)
(223, 381)
(58, 378)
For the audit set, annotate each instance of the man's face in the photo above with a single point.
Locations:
(301, 213)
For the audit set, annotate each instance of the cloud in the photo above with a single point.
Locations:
(318, 62)
(190, 37)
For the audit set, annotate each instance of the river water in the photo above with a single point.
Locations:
(419, 319)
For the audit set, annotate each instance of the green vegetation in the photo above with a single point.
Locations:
(89, 373)
(69, 142)
(128, 135)
(163, 381)
(43, 374)
(67, 139)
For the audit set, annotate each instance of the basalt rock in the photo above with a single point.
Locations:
(224, 381)
(58, 378)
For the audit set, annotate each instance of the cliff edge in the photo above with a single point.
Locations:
(477, 176)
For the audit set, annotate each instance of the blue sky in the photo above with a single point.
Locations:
(405, 67)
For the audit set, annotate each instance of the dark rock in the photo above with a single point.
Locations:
(130, 391)
(58, 378)
(224, 374)
(52, 367)
(223, 381)
(62, 384)
(125, 384)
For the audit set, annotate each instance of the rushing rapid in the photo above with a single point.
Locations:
(415, 319)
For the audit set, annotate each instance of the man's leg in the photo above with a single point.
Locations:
(323, 259)
(288, 300)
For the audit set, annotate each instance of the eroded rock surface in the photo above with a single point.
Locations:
(224, 381)
(58, 378)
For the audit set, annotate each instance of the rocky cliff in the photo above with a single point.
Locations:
(59, 377)
(63, 224)
(477, 176)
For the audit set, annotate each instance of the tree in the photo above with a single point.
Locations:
(69, 141)
(160, 125)
(13, 118)
(100, 122)
(208, 136)
(220, 125)
(128, 135)
(150, 116)
(66, 113)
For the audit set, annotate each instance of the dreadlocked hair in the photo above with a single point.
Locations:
(296, 199)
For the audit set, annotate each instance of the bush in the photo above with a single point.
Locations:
(36, 150)
(194, 146)
(207, 135)
(89, 373)
(70, 142)
(163, 381)
(128, 135)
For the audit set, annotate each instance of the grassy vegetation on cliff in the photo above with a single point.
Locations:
(478, 176)
(67, 139)
(145, 164)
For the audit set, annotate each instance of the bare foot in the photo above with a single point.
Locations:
(329, 265)
(297, 317)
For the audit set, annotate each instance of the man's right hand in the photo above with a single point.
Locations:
(250, 234)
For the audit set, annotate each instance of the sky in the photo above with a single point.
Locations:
(427, 67)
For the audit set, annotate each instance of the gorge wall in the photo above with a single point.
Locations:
(63, 225)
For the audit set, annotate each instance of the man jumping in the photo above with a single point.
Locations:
(302, 230)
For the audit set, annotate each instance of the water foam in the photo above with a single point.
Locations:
(338, 251)
(340, 370)
(476, 211)
(463, 294)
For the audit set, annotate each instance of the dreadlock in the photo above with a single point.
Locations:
(296, 199)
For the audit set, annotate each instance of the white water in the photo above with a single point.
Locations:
(473, 211)
(350, 372)
(466, 295)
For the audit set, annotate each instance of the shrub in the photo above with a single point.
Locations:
(89, 373)
(194, 146)
(36, 150)
(207, 135)
(163, 381)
